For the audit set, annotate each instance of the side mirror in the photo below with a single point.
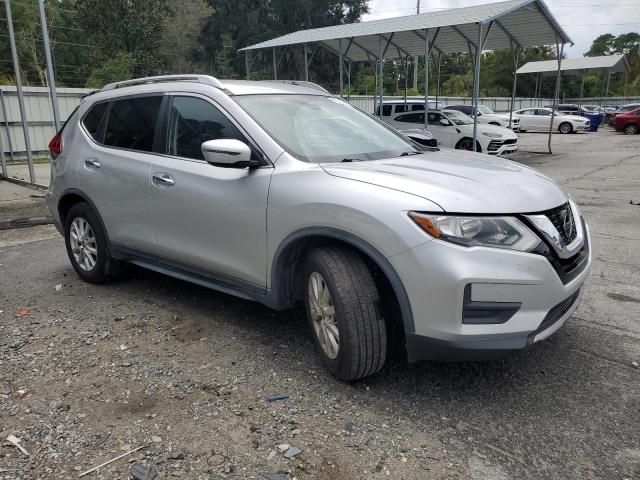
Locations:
(229, 153)
(445, 122)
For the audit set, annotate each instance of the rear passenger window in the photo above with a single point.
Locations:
(417, 107)
(386, 110)
(132, 123)
(401, 108)
(92, 119)
(194, 121)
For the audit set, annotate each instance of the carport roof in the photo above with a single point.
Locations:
(523, 23)
(617, 64)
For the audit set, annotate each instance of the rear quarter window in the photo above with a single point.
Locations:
(93, 118)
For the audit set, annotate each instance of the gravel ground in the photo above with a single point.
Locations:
(88, 372)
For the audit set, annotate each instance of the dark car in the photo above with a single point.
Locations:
(611, 118)
(628, 122)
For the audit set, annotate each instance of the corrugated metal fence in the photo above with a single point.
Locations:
(39, 118)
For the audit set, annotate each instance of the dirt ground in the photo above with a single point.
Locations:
(89, 372)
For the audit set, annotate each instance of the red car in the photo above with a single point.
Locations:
(628, 122)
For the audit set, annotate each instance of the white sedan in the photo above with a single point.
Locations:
(454, 129)
(540, 119)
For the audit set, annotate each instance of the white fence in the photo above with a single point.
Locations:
(39, 118)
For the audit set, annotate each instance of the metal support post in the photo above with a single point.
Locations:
(246, 64)
(426, 79)
(23, 113)
(50, 76)
(516, 54)
(476, 87)
(340, 60)
(275, 64)
(306, 62)
(556, 96)
(584, 73)
(438, 80)
(381, 74)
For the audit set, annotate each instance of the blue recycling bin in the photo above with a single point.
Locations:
(596, 119)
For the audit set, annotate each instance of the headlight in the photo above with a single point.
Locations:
(499, 232)
(492, 135)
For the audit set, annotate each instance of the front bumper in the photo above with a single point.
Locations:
(502, 147)
(436, 275)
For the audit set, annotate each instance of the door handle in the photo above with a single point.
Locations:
(163, 179)
(92, 163)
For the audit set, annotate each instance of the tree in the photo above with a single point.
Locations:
(130, 27)
(180, 38)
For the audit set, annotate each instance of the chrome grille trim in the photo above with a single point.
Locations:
(565, 246)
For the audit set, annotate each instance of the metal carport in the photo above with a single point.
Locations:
(514, 24)
(581, 66)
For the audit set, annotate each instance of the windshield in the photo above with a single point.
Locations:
(319, 129)
(485, 110)
(459, 118)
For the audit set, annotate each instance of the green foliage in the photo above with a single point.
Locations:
(115, 69)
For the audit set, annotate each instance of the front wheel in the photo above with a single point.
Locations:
(87, 245)
(467, 144)
(565, 128)
(344, 313)
(631, 129)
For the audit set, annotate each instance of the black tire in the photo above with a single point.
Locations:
(105, 267)
(467, 144)
(495, 123)
(565, 128)
(631, 129)
(362, 332)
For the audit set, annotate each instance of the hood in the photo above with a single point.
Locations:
(486, 128)
(460, 182)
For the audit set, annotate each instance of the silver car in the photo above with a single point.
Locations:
(282, 193)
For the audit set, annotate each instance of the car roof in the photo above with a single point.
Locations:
(202, 84)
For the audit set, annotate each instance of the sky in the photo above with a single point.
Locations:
(583, 20)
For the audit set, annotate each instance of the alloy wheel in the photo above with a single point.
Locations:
(323, 315)
(83, 244)
(631, 129)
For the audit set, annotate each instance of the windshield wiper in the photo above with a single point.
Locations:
(413, 152)
(349, 160)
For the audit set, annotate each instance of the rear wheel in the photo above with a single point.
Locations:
(631, 129)
(87, 245)
(495, 123)
(565, 128)
(344, 312)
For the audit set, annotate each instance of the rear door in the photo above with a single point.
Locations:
(114, 172)
(208, 218)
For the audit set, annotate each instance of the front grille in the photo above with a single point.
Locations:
(496, 144)
(562, 219)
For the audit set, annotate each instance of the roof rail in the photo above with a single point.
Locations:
(207, 79)
(301, 83)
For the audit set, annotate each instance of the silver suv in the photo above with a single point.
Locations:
(279, 192)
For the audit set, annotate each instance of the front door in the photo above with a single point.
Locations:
(447, 134)
(207, 217)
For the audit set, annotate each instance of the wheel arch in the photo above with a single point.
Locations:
(293, 248)
(71, 197)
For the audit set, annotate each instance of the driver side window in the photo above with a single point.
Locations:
(192, 122)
